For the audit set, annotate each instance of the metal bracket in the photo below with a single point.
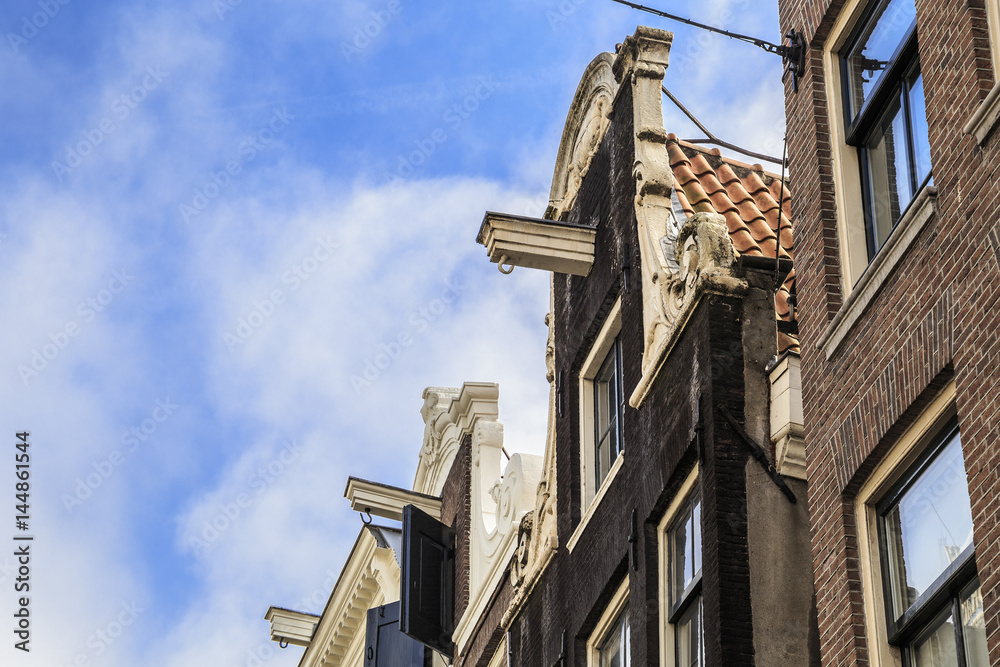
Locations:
(633, 540)
(758, 453)
(793, 56)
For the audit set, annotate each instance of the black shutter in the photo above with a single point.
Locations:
(385, 645)
(427, 594)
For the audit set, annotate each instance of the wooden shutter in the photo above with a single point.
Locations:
(385, 645)
(427, 594)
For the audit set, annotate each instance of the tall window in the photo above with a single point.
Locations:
(885, 114)
(609, 643)
(614, 650)
(684, 585)
(934, 607)
(609, 403)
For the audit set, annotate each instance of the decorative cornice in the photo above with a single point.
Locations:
(387, 501)
(369, 578)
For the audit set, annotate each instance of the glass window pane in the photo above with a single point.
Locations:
(696, 525)
(614, 651)
(867, 60)
(678, 560)
(918, 123)
(688, 644)
(974, 627)
(937, 647)
(888, 172)
(929, 526)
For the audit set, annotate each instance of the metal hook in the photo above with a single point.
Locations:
(507, 272)
(367, 513)
(283, 643)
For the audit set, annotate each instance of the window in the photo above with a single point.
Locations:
(609, 403)
(614, 652)
(602, 403)
(932, 598)
(609, 644)
(682, 632)
(885, 116)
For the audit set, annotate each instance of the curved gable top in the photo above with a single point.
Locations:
(586, 123)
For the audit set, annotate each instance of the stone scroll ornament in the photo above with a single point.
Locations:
(702, 250)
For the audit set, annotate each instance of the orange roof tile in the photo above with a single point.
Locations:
(747, 196)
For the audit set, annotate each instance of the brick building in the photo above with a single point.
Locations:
(894, 157)
(666, 523)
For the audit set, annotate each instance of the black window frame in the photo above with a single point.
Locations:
(615, 420)
(693, 591)
(903, 67)
(944, 594)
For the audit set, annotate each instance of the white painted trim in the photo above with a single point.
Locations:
(846, 174)
(892, 466)
(993, 20)
(588, 371)
(387, 501)
(902, 237)
(667, 629)
(986, 116)
(606, 623)
(499, 658)
(592, 508)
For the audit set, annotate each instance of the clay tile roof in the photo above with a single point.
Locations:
(747, 196)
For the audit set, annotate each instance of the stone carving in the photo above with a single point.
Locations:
(437, 452)
(586, 125)
(676, 265)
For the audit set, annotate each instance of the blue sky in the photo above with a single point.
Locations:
(215, 214)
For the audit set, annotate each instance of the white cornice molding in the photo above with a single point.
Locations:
(387, 501)
(369, 578)
(291, 627)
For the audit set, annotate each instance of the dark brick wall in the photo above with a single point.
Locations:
(936, 317)
(456, 511)
(705, 367)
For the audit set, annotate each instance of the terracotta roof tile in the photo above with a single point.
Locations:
(747, 196)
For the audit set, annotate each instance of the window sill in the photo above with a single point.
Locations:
(585, 519)
(907, 230)
(986, 116)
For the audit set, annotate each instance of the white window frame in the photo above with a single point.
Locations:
(861, 277)
(993, 21)
(679, 503)
(894, 465)
(607, 624)
(590, 494)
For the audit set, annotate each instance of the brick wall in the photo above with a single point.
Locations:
(935, 318)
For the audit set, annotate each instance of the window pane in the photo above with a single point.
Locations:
(696, 531)
(937, 647)
(929, 527)
(688, 642)
(614, 652)
(918, 123)
(678, 560)
(868, 58)
(888, 172)
(974, 627)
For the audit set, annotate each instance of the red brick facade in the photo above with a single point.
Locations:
(934, 320)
